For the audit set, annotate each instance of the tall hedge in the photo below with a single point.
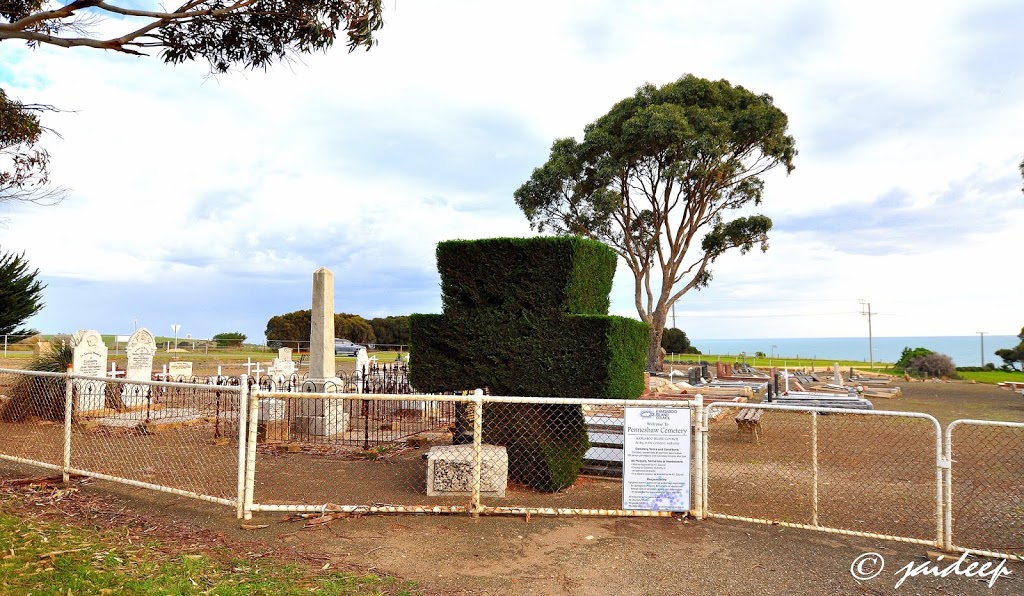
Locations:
(529, 317)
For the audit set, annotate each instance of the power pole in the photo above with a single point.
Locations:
(982, 334)
(865, 309)
(674, 316)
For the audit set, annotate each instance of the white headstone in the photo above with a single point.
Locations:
(179, 370)
(362, 367)
(89, 357)
(284, 353)
(140, 351)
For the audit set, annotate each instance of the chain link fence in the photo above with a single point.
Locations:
(476, 454)
(985, 486)
(873, 473)
(179, 438)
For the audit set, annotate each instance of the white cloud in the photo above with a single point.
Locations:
(362, 162)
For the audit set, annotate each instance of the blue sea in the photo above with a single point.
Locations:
(965, 350)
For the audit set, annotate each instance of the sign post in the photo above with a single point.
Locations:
(656, 459)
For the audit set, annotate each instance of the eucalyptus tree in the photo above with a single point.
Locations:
(226, 33)
(661, 178)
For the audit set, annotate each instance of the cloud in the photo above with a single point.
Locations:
(210, 201)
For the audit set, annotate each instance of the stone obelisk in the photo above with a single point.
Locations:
(321, 328)
(321, 416)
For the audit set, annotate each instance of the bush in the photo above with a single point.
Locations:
(675, 341)
(40, 397)
(232, 339)
(909, 354)
(933, 364)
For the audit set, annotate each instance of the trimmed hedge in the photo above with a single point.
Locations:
(533, 277)
(528, 317)
(577, 356)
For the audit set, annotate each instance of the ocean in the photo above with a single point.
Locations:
(965, 350)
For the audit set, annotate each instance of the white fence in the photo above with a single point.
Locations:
(868, 473)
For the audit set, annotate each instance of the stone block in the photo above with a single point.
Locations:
(450, 470)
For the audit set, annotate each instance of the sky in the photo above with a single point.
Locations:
(208, 202)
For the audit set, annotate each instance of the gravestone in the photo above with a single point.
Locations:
(282, 367)
(89, 357)
(322, 416)
(140, 351)
(179, 371)
(362, 369)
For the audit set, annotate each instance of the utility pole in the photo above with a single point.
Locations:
(865, 309)
(674, 316)
(982, 334)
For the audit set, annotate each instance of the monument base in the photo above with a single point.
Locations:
(326, 385)
(450, 470)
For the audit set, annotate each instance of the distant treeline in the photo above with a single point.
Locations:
(294, 327)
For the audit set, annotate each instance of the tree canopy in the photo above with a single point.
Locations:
(1013, 357)
(24, 167)
(294, 328)
(21, 293)
(657, 177)
(226, 33)
(251, 33)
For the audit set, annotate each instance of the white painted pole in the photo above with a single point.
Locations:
(697, 488)
(250, 456)
(243, 428)
(814, 467)
(478, 431)
(68, 399)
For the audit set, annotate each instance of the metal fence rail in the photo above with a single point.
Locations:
(985, 488)
(859, 472)
(170, 437)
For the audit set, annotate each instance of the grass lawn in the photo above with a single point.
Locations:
(47, 558)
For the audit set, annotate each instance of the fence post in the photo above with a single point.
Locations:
(68, 405)
(700, 426)
(243, 429)
(946, 467)
(250, 446)
(478, 431)
(814, 467)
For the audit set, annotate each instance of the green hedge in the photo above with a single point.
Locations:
(534, 277)
(578, 356)
(528, 317)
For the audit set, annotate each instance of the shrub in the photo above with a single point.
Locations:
(933, 364)
(528, 317)
(231, 339)
(909, 354)
(40, 397)
(675, 341)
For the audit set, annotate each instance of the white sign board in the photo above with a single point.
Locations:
(656, 459)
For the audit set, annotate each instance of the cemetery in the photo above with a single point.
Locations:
(481, 426)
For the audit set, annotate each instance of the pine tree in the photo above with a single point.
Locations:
(20, 293)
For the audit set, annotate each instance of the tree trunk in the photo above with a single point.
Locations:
(654, 358)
